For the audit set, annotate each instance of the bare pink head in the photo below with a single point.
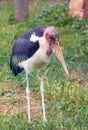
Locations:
(52, 38)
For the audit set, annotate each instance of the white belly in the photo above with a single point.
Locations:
(37, 63)
(39, 60)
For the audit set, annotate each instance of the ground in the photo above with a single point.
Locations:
(66, 98)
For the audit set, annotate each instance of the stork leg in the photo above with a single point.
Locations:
(42, 96)
(28, 97)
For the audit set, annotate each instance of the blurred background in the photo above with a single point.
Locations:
(66, 98)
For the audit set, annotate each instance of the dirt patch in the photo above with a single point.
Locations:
(80, 77)
(18, 104)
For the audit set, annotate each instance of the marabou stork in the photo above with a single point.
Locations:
(33, 50)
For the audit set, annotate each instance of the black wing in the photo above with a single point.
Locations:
(24, 48)
(39, 30)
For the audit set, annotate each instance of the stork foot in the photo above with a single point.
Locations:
(44, 120)
(29, 121)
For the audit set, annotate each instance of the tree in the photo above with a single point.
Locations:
(20, 9)
(79, 8)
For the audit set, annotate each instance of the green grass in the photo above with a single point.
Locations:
(66, 98)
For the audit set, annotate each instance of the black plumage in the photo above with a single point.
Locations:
(24, 48)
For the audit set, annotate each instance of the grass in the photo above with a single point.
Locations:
(66, 98)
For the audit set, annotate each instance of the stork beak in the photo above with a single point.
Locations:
(58, 52)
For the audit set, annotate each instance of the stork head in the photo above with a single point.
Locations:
(52, 38)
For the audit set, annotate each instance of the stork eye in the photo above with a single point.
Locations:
(52, 38)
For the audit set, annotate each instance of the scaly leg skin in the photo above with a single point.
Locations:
(28, 97)
(42, 96)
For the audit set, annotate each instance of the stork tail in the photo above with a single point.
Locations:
(15, 69)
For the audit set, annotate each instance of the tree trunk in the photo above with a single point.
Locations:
(85, 7)
(20, 9)
(79, 8)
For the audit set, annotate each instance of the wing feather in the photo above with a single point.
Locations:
(24, 48)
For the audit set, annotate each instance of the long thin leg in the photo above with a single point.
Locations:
(42, 95)
(28, 97)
